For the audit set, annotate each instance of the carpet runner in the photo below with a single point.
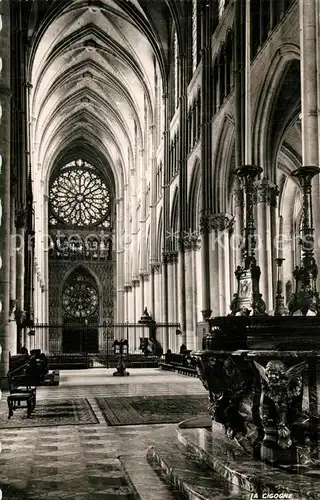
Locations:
(50, 412)
(141, 410)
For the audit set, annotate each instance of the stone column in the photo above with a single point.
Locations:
(136, 309)
(131, 305)
(5, 124)
(166, 217)
(191, 244)
(156, 303)
(309, 86)
(20, 223)
(222, 224)
(171, 261)
(310, 103)
(207, 251)
(206, 154)
(239, 63)
(45, 257)
(170, 258)
(13, 280)
(164, 302)
(127, 236)
(120, 261)
(213, 272)
(152, 289)
(145, 297)
(266, 205)
(183, 189)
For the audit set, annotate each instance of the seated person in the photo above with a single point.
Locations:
(183, 349)
(44, 365)
(167, 356)
(32, 371)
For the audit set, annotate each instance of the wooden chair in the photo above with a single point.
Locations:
(21, 391)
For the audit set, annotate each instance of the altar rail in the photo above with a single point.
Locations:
(98, 339)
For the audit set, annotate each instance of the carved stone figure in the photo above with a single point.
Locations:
(235, 305)
(279, 403)
(229, 382)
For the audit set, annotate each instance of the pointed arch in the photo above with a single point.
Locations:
(223, 166)
(81, 268)
(174, 220)
(159, 238)
(265, 105)
(229, 61)
(94, 292)
(194, 205)
(148, 249)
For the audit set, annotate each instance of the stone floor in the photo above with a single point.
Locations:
(95, 461)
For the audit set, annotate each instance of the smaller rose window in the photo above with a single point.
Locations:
(80, 298)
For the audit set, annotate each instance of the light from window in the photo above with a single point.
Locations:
(78, 196)
(194, 34)
(176, 82)
(80, 298)
(222, 6)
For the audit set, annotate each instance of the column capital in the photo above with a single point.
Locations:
(127, 287)
(170, 257)
(206, 314)
(222, 222)
(144, 275)
(191, 240)
(216, 222)
(21, 217)
(155, 266)
(135, 280)
(266, 192)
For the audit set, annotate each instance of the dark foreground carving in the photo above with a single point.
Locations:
(257, 394)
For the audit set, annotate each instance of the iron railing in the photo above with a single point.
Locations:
(91, 345)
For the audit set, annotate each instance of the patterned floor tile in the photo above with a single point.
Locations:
(81, 462)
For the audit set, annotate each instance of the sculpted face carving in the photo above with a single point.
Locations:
(275, 373)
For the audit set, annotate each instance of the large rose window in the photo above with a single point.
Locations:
(80, 298)
(78, 196)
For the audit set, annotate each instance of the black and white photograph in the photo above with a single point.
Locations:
(159, 249)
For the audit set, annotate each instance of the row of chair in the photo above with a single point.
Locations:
(26, 372)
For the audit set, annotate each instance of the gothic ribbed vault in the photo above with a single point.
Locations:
(92, 70)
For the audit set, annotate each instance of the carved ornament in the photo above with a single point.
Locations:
(266, 192)
(222, 222)
(170, 257)
(155, 266)
(21, 217)
(191, 241)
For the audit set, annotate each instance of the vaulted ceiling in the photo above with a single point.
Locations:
(92, 68)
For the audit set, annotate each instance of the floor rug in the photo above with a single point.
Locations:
(50, 412)
(137, 410)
